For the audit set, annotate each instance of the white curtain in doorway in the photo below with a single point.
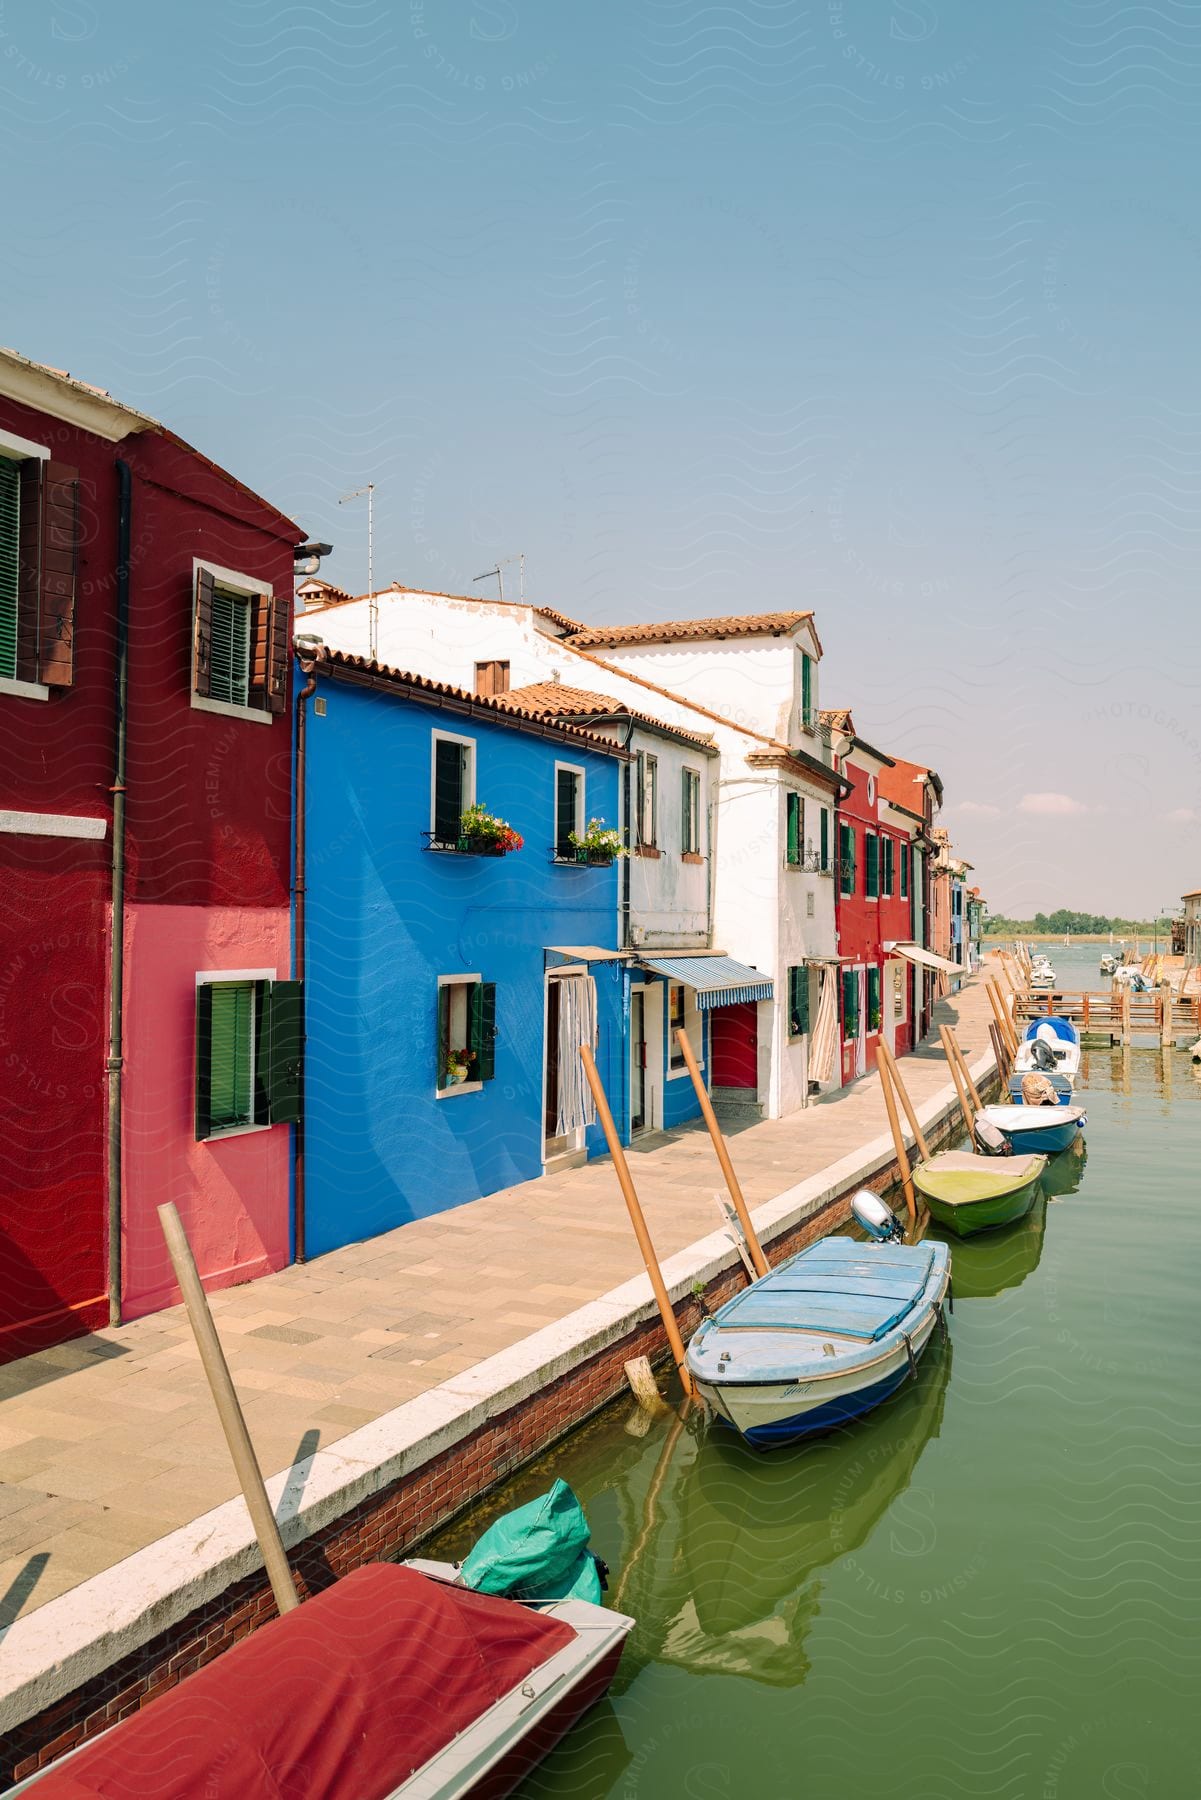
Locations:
(823, 1046)
(577, 1026)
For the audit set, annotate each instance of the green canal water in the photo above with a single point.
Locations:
(989, 1587)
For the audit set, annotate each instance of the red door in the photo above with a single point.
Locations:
(736, 1045)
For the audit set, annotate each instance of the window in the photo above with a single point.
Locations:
(798, 1002)
(676, 1015)
(452, 787)
(491, 678)
(795, 829)
(900, 994)
(904, 871)
(846, 857)
(569, 808)
(648, 800)
(690, 812)
(871, 859)
(874, 1013)
(248, 1053)
(886, 871)
(39, 553)
(241, 650)
(825, 838)
(850, 1003)
(466, 1034)
(807, 707)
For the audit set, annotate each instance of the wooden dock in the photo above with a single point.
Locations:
(1117, 1014)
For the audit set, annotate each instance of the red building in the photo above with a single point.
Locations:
(145, 630)
(910, 796)
(874, 893)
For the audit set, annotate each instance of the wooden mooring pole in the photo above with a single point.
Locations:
(884, 1054)
(961, 1059)
(637, 1220)
(898, 1142)
(233, 1424)
(723, 1155)
(952, 1063)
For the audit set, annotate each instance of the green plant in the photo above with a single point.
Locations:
(598, 839)
(483, 827)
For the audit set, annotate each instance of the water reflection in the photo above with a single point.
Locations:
(734, 1575)
(1064, 1173)
(985, 1265)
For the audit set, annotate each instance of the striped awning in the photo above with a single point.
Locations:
(718, 980)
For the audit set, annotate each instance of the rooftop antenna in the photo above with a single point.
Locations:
(372, 602)
(498, 571)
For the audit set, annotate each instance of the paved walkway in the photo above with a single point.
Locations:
(111, 1442)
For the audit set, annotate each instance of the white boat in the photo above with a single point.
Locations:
(396, 1682)
(1037, 1130)
(826, 1336)
(1109, 963)
(1051, 1047)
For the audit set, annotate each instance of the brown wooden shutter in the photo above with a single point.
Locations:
(202, 651)
(280, 652)
(260, 649)
(60, 563)
(29, 569)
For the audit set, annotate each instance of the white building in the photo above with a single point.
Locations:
(747, 688)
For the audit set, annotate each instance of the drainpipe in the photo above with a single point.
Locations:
(298, 961)
(114, 1062)
(628, 836)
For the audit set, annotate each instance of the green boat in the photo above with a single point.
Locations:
(968, 1193)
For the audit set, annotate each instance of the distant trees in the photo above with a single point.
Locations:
(1063, 919)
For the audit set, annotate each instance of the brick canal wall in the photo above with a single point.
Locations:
(394, 1521)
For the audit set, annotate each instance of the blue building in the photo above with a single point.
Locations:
(449, 976)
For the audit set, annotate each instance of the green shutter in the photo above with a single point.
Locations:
(482, 1029)
(565, 811)
(10, 562)
(229, 1061)
(825, 838)
(886, 849)
(847, 873)
(449, 799)
(229, 651)
(442, 1045)
(850, 1003)
(798, 1001)
(904, 871)
(873, 997)
(204, 1056)
(282, 1038)
(794, 827)
(690, 812)
(872, 859)
(806, 689)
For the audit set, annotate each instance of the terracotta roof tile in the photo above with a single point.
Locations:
(556, 699)
(901, 784)
(838, 718)
(668, 631)
(566, 624)
(363, 671)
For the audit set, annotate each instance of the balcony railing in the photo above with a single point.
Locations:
(567, 856)
(463, 846)
(809, 864)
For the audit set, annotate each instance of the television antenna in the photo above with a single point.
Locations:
(372, 602)
(498, 572)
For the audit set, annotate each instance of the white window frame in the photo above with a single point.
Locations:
(698, 848)
(648, 763)
(19, 449)
(215, 978)
(451, 737)
(694, 1027)
(581, 810)
(460, 1087)
(900, 992)
(251, 586)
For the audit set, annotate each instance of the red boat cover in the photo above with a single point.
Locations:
(342, 1699)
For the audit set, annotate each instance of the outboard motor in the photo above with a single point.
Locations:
(879, 1222)
(1042, 1055)
(990, 1139)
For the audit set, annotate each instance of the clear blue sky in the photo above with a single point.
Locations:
(887, 309)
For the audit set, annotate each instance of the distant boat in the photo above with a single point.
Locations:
(1042, 1130)
(967, 1193)
(1109, 963)
(826, 1336)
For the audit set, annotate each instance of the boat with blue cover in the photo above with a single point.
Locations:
(828, 1335)
(1043, 1130)
(1051, 1047)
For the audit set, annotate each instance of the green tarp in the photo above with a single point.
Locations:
(539, 1552)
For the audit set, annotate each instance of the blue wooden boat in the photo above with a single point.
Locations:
(1051, 1047)
(1041, 1129)
(826, 1336)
